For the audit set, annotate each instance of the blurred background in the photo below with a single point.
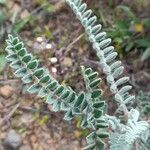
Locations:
(51, 32)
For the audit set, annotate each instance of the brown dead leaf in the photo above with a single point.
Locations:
(6, 91)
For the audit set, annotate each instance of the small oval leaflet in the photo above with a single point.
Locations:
(39, 72)
(27, 58)
(22, 52)
(33, 64)
(96, 93)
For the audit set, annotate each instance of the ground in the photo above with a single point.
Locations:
(50, 31)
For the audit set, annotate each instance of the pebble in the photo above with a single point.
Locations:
(53, 60)
(6, 91)
(12, 140)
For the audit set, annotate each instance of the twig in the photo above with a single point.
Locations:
(12, 112)
(68, 48)
(4, 82)
(7, 117)
(93, 63)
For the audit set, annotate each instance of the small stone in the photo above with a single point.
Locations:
(67, 62)
(54, 70)
(12, 140)
(48, 46)
(6, 91)
(53, 60)
(39, 39)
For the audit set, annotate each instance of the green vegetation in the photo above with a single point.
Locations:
(101, 110)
